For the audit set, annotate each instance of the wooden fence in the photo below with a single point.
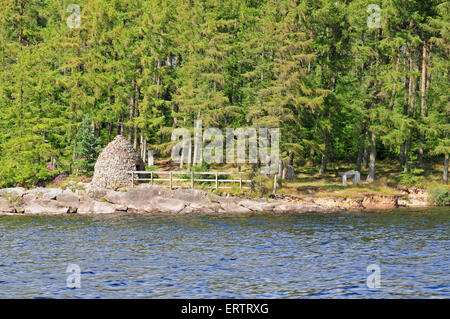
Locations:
(192, 179)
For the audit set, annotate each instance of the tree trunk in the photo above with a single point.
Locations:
(411, 95)
(143, 147)
(141, 143)
(423, 107)
(197, 157)
(445, 174)
(130, 129)
(110, 125)
(136, 110)
(135, 141)
(280, 169)
(311, 157)
(359, 158)
(365, 159)
(189, 159)
(323, 165)
(408, 150)
(401, 158)
(22, 6)
(74, 150)
(121, 125)
(405, 113)
(175, 118)
(394, 89)
(373, 154)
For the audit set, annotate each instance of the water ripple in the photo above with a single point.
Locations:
(239, 256)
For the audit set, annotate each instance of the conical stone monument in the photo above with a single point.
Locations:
(114, 163)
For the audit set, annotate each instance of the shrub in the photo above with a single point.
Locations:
(440, 196)
(60, 178)
(413, 178)
(152, 168)
(75, 186)
(260, 184)
(204, 167)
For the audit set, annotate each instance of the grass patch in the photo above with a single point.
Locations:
(71, 182)
(308, 183)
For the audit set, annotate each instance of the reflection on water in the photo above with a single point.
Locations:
(227, 256)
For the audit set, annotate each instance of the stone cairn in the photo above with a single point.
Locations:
(114, 163)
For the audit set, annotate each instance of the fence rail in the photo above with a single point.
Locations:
(136, 178)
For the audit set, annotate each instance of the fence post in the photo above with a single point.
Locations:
(170, 179)
(151, 178)
(217, 181)
(192, 180)
(240, 180)
(132, 179)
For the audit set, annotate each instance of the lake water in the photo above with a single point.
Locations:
(312, 255)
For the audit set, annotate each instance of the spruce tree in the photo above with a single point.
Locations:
(87, 146)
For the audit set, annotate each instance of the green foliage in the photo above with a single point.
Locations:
(141, 68)
(87, 146)
(260, 184)
(152, 168)
(413, 178)
(440, 196)
(203, 167)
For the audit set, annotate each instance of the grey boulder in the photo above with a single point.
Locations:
(95, 207)
(43, 206)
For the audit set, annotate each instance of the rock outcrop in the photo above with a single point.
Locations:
(88, 206)
(45, 207)
(157, 199)
(376, 201)
(339, 202)
(42, 193)
(414, 196)
(69, 199)
(6, 207)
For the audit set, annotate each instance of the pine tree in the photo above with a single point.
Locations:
(337, 89)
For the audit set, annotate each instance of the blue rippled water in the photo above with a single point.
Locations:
(312, 255)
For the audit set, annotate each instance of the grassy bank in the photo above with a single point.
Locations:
(388, 177)
(307, 181)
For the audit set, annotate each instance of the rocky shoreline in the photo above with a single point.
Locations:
(145, 199)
